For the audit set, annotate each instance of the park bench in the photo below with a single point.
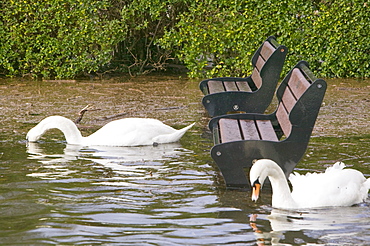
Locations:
(252, 94)
(282, 136)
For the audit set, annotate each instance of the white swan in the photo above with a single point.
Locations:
(336, 187)
(123, 132)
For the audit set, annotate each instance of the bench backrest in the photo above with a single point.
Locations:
(261, 56)
(259, 60)
(300, 96)
(268, 62)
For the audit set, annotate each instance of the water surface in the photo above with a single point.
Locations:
(52, 193)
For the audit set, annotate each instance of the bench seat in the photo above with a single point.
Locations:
(215, 86)
(239, 129)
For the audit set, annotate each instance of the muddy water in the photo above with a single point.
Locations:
(57, 194)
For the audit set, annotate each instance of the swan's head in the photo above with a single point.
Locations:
(257, 175)
(34, 134)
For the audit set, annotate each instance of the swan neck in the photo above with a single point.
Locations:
(68, 127)
(281, 194)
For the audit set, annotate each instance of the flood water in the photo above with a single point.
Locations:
(52, 193)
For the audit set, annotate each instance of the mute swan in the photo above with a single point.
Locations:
(123, 132)
(336, 187)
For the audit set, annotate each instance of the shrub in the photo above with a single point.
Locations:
(65, 38)
(58, 38)
(146, 22)
(330, 35)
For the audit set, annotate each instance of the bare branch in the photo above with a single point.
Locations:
(89, 107)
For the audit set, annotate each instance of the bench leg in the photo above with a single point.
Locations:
(231, 165)
(234, 159)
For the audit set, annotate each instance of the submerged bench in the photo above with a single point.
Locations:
(282, 136)
(252, 94)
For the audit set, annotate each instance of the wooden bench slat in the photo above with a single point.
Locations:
(230, 86)
(229, 130)
(298, 83)
(266, 130)
(256, 78)
(260, 62)
(267, 50)
(215, 86)
(249, 130)
(283, 118)
(243, 86)
(289, 100)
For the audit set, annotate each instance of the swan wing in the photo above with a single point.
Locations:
(310, 182)
(335, 187)
(132, 132)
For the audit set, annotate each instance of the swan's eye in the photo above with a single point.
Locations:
(257, 182)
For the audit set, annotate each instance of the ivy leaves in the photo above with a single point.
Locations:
(330, 35)
(65, 38)
(58, 39)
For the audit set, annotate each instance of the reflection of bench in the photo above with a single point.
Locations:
(282, 136)
(252, 94)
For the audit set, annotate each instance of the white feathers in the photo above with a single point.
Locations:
(337, 186)
(123, 132)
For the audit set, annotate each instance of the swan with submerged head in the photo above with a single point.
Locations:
(123, 132)
(335, 187)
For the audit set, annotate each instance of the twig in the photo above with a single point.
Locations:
(112, 116)
(132, 89)
(89, 107)
(171, 108)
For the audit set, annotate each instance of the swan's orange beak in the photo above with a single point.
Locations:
(256, 191)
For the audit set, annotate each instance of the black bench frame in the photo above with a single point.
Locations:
(300, 96)
(252, 94)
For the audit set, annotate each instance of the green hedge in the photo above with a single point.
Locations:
(65, 38)
(56, 38)
(331, 35)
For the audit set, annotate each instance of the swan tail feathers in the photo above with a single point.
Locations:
(173, 137)
(186, 128)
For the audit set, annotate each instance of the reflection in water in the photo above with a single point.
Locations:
(289, 226)
(118, 154)
(126, 161)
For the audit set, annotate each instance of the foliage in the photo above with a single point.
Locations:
(58, 38)
(343, 46)
(146, 21)
(65, 38)
(330, 35)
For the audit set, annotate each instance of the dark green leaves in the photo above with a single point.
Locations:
(65, 38)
